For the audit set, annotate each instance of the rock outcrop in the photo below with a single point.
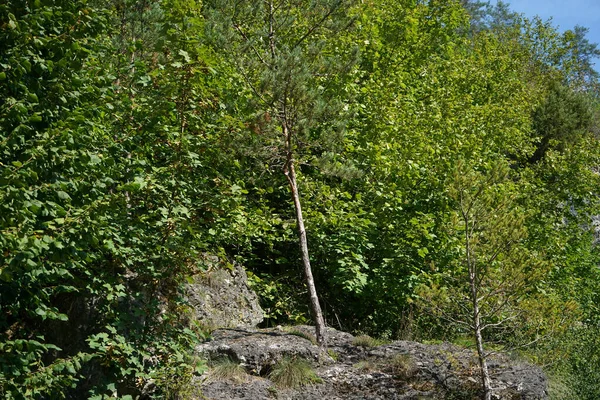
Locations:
(398, 370)
(221, 298)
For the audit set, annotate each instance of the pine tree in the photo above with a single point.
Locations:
(285, 51)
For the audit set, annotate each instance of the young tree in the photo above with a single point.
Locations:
(286, 53)
(488, 289)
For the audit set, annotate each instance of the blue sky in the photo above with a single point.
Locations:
(565, 14)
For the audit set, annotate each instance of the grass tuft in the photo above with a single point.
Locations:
(367, 341)
(366, 366)
(403, 366)
(293, 372)
(228, 370)
(333, 354)
(297, 332)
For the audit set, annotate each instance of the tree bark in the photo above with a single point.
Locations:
(485, 375)
(290, 173)
(474, 286)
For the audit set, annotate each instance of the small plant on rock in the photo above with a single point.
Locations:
(333, 354)
(272, 391)
(367, 341)
(293, 372)
(228, 370)
(366, 366)
(403, 366)
(302, 334)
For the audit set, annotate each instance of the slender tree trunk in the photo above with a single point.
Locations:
(290, 173)
(485, 375)
(473, 283)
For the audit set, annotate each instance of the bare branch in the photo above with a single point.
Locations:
(249, 43)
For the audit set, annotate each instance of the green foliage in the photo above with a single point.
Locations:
(560, 122)
(85, 269)
(494, 269)
(50, 187)
(333, 354)
(291, 69)
(366, 366)
(137, 135)
(583, 376)
(168, 365)
(571, 359)
(281, 299)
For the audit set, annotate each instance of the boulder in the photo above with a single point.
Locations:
(259, 349)
(221, 298)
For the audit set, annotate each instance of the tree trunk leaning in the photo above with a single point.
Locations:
(310, 282)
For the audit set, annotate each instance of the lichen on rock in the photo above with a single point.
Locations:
(221, 298)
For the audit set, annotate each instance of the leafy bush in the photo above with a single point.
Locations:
(577, 371)
(95, 230)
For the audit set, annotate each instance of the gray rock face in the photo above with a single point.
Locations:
(399, 370)
(221, 297)
(257, 351)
